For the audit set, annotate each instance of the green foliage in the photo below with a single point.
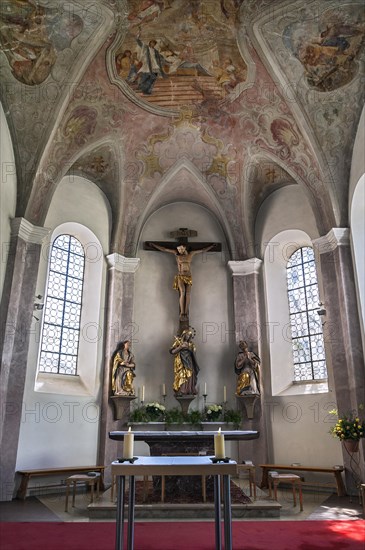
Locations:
(174, 416)
(152, 412)
(194, 417)
(233, 416)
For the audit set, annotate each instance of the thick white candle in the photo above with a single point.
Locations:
(205, 388)
(142, 393)
(128, 444)
(224, 394)
(163, 389)
(219, 447)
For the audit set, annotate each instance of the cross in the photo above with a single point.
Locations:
(184, 252)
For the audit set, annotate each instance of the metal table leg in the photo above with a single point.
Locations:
(227, 512)
(119, 539)
(131, 502)
(217, 512)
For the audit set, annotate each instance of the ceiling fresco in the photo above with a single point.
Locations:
(176, 53)
(219, 102)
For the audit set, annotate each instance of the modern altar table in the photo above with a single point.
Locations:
(174, 466)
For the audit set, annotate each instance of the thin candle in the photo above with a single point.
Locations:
(224, 394)
(142, 393)
(128, 444)
(205, 388)
(219, 446)
(163, 389)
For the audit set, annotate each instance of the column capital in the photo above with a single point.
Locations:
(123, 264)
(20, 227)
(245, 267)
(337, 236)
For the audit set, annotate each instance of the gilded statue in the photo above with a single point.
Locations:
(186, 367)
(247, 367)
(123, 370)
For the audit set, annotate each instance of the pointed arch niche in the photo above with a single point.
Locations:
(156, 306)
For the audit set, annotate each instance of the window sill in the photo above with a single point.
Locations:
(305, 388)
(63, 384)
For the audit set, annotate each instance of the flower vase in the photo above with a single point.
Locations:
(351, 445)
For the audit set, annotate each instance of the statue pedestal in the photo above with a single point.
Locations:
(247, 403)
(121, 404)
(185, 401)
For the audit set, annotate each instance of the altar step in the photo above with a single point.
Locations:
(262, 508)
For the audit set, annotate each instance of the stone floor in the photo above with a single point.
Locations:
(317, 506)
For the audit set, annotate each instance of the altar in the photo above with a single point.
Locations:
(183, 443)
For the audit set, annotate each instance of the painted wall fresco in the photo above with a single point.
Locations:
(328, 47)
(31, 37)
(178, 53)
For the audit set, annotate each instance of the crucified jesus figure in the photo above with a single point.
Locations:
(183, 280)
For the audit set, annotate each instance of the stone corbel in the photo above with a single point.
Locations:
(122, 405)
(247, 403)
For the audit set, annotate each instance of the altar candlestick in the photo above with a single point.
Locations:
(224, 394)
(128, 444)
(219, 447)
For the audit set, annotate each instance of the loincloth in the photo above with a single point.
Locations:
(186, 279)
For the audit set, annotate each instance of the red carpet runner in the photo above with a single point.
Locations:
(247, 535)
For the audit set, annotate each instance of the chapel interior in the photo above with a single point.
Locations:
(237, 124)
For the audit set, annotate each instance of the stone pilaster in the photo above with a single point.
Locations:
(119, 326)
(342, 331)
(16, 317)
(248, 307)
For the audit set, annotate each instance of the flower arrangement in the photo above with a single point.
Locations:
(155, 411)
(151, 412)
(213, 412)
(348, 426)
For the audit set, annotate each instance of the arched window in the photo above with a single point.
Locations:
(61, 323)
(306, 327)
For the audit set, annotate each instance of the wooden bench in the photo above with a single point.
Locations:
(44, 472)
(336, 471)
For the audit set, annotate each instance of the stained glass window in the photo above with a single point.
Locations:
(61, 323)
(306, 327)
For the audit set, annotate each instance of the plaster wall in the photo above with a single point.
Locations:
(60, 428)
(156, 308)
(297, 415)
(7, 192)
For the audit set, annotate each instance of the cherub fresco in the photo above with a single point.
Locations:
(329, 57)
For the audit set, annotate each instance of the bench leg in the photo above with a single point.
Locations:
(341, 491)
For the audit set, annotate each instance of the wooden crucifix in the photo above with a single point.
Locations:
(184, 252)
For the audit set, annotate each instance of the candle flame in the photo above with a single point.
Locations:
(219, 430)
(129, 429)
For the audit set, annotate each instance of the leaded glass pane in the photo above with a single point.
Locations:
(297, 300)
(305, 323)
(307, 254)
(295, 259)
(295, 277)
(61, 326)
(299, 325)
(302, 372)
(312, 296)
(315, 325)
(301, 350)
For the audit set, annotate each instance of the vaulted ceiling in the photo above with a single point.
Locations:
(253, 96)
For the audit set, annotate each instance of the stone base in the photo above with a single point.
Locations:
(103, 508)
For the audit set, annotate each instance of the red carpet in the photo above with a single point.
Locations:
(247, 535)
